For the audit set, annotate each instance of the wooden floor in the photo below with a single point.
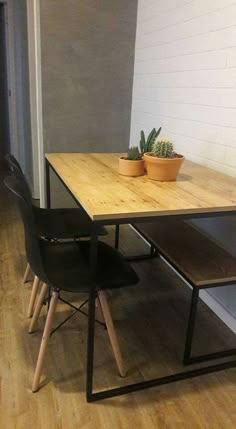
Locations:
(150, 320)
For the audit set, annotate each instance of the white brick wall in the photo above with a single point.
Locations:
(185, 77)
(185, 81)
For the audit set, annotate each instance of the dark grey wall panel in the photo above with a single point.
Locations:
(87, 73)
(87, 76)
(4, 119)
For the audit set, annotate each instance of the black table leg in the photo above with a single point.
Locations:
(91, 315)
(191, 324)
(117, 236)
(48, 190)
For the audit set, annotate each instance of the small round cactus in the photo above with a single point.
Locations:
(163, 148)
(134, 154)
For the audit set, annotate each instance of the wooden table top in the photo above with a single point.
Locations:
(94, 181)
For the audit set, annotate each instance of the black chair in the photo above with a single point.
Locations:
(64, 266)
(57, 224)
(62, 223)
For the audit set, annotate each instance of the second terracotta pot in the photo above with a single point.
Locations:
(162, 169)
(130, 167)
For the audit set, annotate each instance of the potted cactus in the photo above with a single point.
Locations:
(132, 164)
(163, 163)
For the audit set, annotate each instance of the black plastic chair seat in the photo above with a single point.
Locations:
(64, 223)
(67, 268)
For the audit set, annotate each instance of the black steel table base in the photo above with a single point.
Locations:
(94, 396)
(153, 254)
(140, 257)
(210, 356)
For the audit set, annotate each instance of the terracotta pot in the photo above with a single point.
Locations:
(145, 167)
(162, 169)
(131, 168)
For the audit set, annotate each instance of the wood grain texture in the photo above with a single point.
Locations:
(158, 306)
(195, 255)
(94, 181)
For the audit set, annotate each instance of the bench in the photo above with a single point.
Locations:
(199, 260)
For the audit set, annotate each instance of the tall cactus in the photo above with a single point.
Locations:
(146, 145)
(163, 148)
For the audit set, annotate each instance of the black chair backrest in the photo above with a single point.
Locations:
(32, 242)
(17, 172)
(12, 162)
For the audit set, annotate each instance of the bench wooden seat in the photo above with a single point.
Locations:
(199, 259)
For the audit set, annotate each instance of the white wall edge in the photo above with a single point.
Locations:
(34, 41)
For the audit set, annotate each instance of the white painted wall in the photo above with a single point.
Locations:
(185, 77)
(185, 81)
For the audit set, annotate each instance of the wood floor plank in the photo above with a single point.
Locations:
(150, 320)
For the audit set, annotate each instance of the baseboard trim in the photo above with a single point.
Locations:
(219, 310)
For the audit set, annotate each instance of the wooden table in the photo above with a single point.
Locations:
(94, 182)
(108, 198)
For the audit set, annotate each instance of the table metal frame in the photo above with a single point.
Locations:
(94, 396)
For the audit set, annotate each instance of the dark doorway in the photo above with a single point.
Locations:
(4, 112)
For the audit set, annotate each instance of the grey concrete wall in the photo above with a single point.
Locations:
(87, 75)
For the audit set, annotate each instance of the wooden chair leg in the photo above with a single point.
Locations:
(33, 296)
(44, 342)
(99, 313)
(111, 333)
(27, 271)
(38, 307)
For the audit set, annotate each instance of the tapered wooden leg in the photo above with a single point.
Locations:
(111, 332)
(44, 342)
(99, 313)
(38, 307)
(27, 271)
(33, 296)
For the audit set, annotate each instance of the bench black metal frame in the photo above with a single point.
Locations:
(90, 394)
(188, 359)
